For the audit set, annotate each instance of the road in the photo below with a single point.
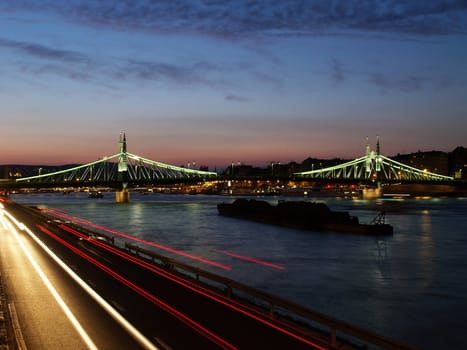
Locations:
(118, 301)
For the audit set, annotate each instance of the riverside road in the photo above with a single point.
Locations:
(69, 290)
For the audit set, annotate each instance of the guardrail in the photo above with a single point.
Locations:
(336, 328)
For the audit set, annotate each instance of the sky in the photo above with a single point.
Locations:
(215, 82)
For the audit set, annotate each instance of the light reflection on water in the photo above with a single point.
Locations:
(411, 286)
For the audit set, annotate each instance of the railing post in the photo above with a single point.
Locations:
(334, 336)
(229, 292)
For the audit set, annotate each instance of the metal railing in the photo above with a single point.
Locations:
(336, 329)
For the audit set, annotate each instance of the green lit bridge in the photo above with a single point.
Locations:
(125, 170)
(374, 167)
(120, 170)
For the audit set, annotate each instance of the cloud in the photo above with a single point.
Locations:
(233, 19)
(337, 71)
(44, 52)
(148, 70)
(174, 73)
(80, 67)
(230, 21)
(415, 17)
(40, 60)
(64, 71)
(236, 98)
(410, 83)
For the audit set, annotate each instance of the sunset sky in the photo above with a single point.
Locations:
(221, 81)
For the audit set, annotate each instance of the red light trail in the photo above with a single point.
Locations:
(153, 244)
(187, 284)
(253, 260)
(156, 301)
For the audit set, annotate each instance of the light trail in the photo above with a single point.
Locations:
(158, 302)
(193, 287)
(141, 339)
(253, 260)
(71, 317)
(132, 238)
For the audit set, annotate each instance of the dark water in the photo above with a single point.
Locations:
(411, 286)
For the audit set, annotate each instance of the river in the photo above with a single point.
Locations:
(411, 286)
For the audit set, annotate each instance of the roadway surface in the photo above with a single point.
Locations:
(143, 306)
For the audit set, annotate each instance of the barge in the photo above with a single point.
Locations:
(303, 215)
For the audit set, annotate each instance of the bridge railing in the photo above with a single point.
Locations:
(335, 328)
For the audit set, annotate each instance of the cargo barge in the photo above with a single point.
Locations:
(303, 215)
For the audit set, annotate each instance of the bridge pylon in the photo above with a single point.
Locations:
(122, 196)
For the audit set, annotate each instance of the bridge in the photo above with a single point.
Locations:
(374, 167)
(124, 170)
(119, 170)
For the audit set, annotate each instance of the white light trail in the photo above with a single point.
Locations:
(140, 338)
(88, 341)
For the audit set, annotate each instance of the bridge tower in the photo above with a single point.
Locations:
(367, 159)
(378, 191)
(122, 196)
(373, 162)
(122, 160)
(378, 158)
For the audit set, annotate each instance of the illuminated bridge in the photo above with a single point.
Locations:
(119, 170)
(375, 167)
(125, 169)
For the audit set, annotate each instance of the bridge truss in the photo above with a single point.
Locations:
(122, 167)
(374, 167)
